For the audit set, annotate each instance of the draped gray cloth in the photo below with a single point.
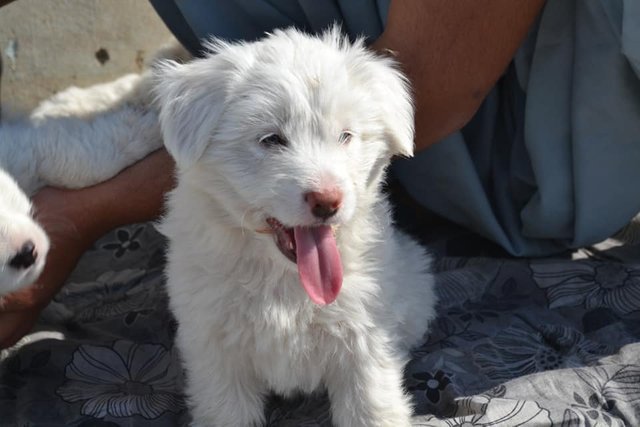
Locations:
(552, 159)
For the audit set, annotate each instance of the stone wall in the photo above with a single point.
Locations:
(47, 45)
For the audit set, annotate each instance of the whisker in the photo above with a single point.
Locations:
(242, 218)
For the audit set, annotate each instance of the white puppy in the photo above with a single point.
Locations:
(23, 243)
(284, 270)
(75, 139)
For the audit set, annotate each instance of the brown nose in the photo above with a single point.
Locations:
(324, 204)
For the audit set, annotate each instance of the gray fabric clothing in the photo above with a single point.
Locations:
(552, 159)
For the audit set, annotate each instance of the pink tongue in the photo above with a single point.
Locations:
(319, 264)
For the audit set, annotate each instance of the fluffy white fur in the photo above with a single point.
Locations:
(246, 326)
(16, 228)
(77, 138)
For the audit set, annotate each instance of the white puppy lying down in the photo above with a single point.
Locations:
(284, 270)
(77, 138)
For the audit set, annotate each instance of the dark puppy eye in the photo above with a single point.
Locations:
(273, 140)
(345, 137)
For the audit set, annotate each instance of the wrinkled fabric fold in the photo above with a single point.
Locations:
(564, 145)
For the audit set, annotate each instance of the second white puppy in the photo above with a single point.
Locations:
(284, 270)
(77, 138)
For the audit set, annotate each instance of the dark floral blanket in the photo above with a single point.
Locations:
(517, 342)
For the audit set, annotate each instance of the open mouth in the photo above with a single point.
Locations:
(315, 252)
(285, 239)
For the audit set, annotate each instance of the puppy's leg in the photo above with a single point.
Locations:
(365, 385)
(83, 136)
(74, 152)
(222, 389)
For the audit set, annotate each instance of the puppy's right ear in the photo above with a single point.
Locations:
(191, 98)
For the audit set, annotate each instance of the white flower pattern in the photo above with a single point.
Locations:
(591, 284)
(123, 380)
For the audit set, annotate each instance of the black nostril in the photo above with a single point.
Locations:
(26, 257)
(324, 211)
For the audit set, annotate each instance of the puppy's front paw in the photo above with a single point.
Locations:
(395, 414)
(383, 404)
(397, 417)
(366, 388)
(229, 417)
(231, 397)
(392, 417)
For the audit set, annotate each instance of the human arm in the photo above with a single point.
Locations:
(454, 52)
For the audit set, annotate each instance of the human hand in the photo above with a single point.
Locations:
(58, 216)
(73, 220)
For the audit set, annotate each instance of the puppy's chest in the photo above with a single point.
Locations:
(291, 358)
(267, 316)
(289, 340)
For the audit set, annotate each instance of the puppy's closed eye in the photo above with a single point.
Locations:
(273, 140)
(345, 137)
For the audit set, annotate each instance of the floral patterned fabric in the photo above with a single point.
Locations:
(517, 342)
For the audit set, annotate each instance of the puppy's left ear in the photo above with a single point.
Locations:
(397, 111)
(191, 98)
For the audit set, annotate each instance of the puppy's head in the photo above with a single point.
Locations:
(291, 135)
(23, 243)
